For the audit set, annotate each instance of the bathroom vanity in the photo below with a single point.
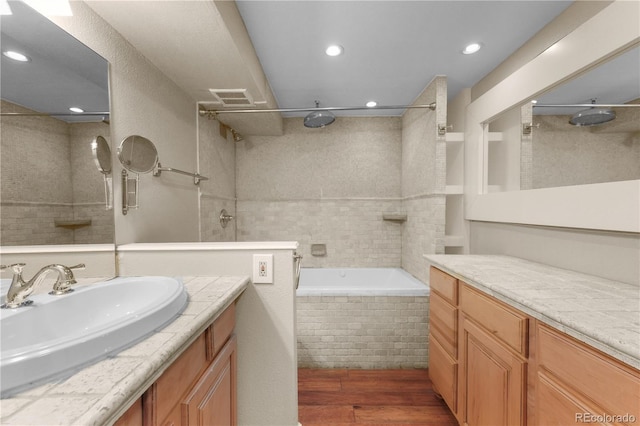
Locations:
(513, 342)
(184, 370)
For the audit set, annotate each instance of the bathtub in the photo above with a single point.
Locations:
(359, 282)
(361, 318)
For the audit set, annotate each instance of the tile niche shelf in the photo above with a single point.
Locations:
(454, 240)
(72, 224)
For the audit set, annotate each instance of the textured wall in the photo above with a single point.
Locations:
(216, 158)
(36, 160)
(146, 102)
(568, 155)
(324, 186)
(424, 172)
(362, 332)
(48, 173)
(352, 230)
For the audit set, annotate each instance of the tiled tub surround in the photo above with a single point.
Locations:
(100, 393)
(602, 313)
(352, 229)
(48, 173)
(360, 324)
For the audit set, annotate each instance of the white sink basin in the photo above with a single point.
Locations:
(59, 334)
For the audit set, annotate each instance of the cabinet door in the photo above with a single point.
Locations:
(132, 417)
(443, 372)
(212, 401)
(492, 380)
(576, 383)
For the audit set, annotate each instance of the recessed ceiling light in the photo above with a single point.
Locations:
(334, 50)
(471, 48)
(534, 101)
(16, 56)
(371, 104)
(4, 8)
(76, 109)
(51, 7)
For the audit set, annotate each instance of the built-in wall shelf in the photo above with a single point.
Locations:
(453, 241)
(454, 137)
(394, 217)
(454, 229)
(454, 190)
(495, 188)
(72, 224)
(495, 136)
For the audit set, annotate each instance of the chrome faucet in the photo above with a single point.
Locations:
(21, 289)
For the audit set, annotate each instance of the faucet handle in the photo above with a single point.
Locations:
(63, 285)
(17, 267)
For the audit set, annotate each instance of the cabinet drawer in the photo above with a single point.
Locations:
(443, 372)
(178, 378)
(612, 385)
(443, 323)
(507, 324)
(444, 284)
(222, 329)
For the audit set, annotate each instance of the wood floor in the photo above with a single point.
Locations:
(369, 397)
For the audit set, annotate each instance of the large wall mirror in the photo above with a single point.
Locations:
(537, 145)
(51, 190)
(607, 206)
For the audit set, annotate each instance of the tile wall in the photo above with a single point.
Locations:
(48, 173)
(362, 332)
(216, 155)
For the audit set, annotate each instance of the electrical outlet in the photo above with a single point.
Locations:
(263, 269)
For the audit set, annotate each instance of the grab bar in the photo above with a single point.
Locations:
(197, 177)
(297, 258)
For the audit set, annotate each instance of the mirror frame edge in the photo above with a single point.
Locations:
(577, 206)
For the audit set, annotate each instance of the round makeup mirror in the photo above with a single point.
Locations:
(101, 154)
(138, 154)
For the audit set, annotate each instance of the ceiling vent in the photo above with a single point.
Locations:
(232, 97)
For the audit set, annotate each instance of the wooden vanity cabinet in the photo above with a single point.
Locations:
(199, 388)
(133, 416)
(574, 383)
(514, 370)
(443, 337)
(493, 361)
(477, 353)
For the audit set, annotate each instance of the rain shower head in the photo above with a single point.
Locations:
(592, 116)
(316, 119)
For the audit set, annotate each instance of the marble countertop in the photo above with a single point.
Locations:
(602, 313)
(101, 392)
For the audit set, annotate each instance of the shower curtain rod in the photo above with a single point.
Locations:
(431, 106)
(588, 105)
(52, 114)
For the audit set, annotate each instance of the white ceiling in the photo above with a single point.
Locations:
(392, 49)
(275, 49)
(61, 73)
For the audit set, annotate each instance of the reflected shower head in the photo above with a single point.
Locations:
(592, 116)
(316, 119)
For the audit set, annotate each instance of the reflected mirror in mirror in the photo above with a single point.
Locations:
(49, 187)
(535, 146)
(101, 154)
(138, 154)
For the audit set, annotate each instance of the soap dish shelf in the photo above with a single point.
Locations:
(400, 218)
(72, 224)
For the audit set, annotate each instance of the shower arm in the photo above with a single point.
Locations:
(431, 106)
